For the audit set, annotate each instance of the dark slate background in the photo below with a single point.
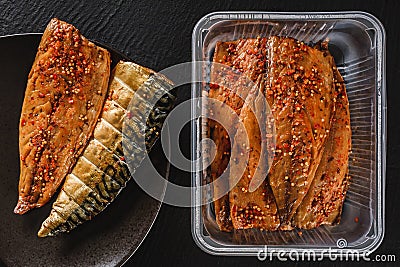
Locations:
(157, 34)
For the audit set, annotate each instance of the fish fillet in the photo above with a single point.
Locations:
(300, 92)
(302, 88)
(324, 201)
(101, 172)
(66, 90)
(230, 86)
(256, 209)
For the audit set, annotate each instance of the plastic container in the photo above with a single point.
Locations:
(357, 42)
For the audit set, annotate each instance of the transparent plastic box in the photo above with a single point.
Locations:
(357, 42)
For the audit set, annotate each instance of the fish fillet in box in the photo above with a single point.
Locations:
(308, 100)
(244, 64)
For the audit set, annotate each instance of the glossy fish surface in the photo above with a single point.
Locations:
(101, 171)
(65, 93)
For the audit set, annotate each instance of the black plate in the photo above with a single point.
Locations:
(110, 238)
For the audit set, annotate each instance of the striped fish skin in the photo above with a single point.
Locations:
(101, 172)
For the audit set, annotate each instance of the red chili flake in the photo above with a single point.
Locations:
(122, 158)
(290, 72)
(23, 122)
(41, 95)
(213, 86)
(285, 145)
(356, 219)
(110, 95)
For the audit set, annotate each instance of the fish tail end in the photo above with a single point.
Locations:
(43, 231)
(22, 207)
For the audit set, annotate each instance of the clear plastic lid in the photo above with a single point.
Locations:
(357, 42)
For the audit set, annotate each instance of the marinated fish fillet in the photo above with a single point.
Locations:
(255, 209)
(231, 88)
(101, 171)
(300, 92)
(308, 173)
(64, 96)
(324, 200)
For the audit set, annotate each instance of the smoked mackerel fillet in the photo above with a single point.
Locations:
(324, 201)
(65, 93)
(307, 182)
(101, 171)
(300, 91)
(255, 209)
(234, 70)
